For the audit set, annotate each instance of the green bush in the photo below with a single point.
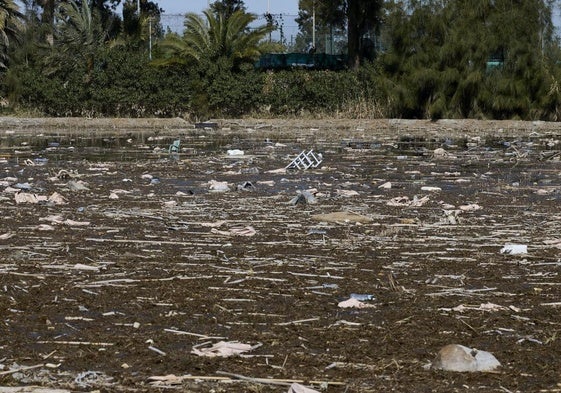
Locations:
(297, 91)
(122, 83)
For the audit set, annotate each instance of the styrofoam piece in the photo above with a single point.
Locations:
(514, 249)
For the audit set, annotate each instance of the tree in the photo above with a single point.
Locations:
(137, 28)
(78, 35)
(11, 27)
(440, 53)
(357, 16)
(216, 36)
(105, 9)
(227, 7)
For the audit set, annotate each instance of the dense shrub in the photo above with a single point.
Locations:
(221, 91)
(122, 83)
(297, 91)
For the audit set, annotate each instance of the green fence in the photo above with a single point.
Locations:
(318, 61)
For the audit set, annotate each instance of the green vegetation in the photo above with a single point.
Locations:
(429, 59)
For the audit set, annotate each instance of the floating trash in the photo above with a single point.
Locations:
(458, 358)
(514, 249)
(306, 160)
(235, 152)
(362, 296)
(303, 197)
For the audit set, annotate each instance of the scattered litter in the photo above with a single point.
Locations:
(441, 153)
(222, 349)
(347, 193)
(490, 307)
(235, 152)
(431, 189)
(23, 186)
(305, 160)
(454, 357)
(25, 197)
(514, 249)
(303, 197)
(59, 220)
(81, 266)
(470, 207)
(158, 351)
(218, 186)
(404, 201)
(245, 186)
(73, 223)
(57, 199)
(354, 303)
(342, 217)
(297, 388)
(174, 147)
(77, 185)
(277, 171)
(44, 227)
(91, 378)
(215, 224)
(236, 231)
(31, 389)
(451, 217)
(553, 243)
(386, 186)
(362, 296)
(315, 231)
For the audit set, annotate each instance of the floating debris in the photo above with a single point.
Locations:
(454, 357)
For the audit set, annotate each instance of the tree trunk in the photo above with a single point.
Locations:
(353, 32)
(48, 15)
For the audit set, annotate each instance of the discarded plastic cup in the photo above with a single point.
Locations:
(362, 296)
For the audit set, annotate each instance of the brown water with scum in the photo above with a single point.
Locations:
(147, 271)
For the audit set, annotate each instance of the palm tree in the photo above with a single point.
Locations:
(78, 34)
(215, 36)
(78, 26)
(11, 26)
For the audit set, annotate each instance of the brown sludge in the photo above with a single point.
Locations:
(113, 287)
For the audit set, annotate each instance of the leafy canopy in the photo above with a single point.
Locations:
(215, 35)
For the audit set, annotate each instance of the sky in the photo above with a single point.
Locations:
(259, 7)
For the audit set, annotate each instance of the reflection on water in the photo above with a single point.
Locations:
(134, 145)
(103, 146)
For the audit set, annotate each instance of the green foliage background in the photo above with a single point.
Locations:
(434, 63)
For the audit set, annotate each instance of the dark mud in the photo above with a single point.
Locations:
(143, 266)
